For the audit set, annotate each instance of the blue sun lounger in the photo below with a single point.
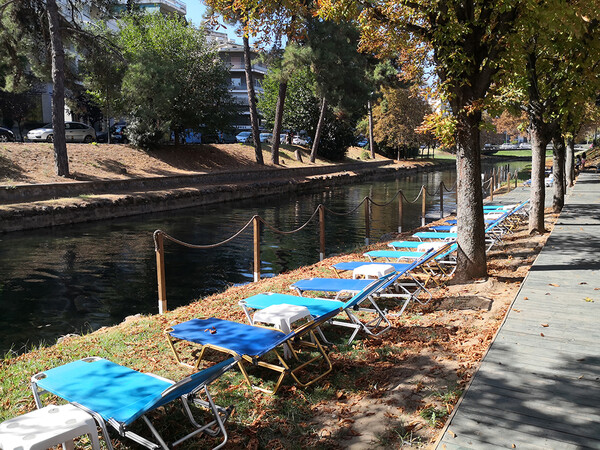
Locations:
(405, 244)
(342, 286)
(441, 255)
(396, 255)
(118, 396)
(249, 343)
(321, 306)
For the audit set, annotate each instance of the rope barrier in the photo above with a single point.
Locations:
(416, 198)
(346, 213)
(373, 202)
(300, 228)
(451, 189)
(198, 246)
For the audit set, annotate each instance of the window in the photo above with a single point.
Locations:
(236, 82)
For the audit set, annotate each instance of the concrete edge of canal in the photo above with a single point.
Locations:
(155, 195)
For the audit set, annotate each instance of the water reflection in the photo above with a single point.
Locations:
(72, 279)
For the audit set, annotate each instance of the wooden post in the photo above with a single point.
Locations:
(160, 273)
(507, 182)
(256, 248)
(441, 199)
(423, 205)
(321, 232)
(516, 177)
(400, 210)
(492, 185)
(367, 222)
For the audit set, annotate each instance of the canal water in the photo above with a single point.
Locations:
(78, 278)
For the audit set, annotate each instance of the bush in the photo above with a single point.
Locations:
(337, 136)
(142, 133)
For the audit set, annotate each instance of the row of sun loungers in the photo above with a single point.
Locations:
(117, 396)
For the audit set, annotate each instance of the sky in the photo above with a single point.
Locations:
(195, 13)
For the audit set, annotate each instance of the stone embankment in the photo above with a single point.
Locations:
(25, 207)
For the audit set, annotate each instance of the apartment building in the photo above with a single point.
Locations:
(233, 55)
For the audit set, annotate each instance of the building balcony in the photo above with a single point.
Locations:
(240, 68)
(164, 6)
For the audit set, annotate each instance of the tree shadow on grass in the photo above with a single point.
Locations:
(10, 172)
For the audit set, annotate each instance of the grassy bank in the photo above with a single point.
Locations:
(383, 392)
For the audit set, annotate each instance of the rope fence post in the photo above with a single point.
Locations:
(159, 249)
(321, 232)
(400, 210)
(492, 185)
(507, 181)
(516, 177)
(256, 222)
(423, 205)
(441, 199)
(367, 221)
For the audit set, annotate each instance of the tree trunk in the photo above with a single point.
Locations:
(558, 169)
(278, 120)
(471, 259)
(313, 152)
(252, 101)
(371, 140)
(61, 159)
(570, 162)
(539, 140)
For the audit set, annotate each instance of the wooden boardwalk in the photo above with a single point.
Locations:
(539, 385)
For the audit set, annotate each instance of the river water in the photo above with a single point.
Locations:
(78, 278)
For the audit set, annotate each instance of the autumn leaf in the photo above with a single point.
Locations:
(542, 334)
(452, 433)
(554, 284)
(589, 300)
(545, 325)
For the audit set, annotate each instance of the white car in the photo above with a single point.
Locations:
(74, 132)
(299, 140)
(244, 137)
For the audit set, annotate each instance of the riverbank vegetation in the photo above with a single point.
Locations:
(395, 389)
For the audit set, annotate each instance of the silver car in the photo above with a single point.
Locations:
(74, 132)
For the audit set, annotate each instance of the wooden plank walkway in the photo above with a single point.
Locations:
(539, 385)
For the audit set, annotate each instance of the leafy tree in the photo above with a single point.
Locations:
(339, 70)
(550, 73)
(303, 112)
(465, 41)
(509, 123)
(40, 25)
(103, 68)
(302, 101)
(398, 117)
(174, 79)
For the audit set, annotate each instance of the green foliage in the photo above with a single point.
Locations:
(336, 137)
(433, 415)
(397, 117)
(174, 80)
(302, 105)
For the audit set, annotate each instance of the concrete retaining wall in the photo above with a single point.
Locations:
(128, 204)
(37, 192)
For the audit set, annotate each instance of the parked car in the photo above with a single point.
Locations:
(6, 135)
(525, 145)
(300, 140)
(244, 137)
(118, 134)
(362, 141)
(74, 132)
(265, 137)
